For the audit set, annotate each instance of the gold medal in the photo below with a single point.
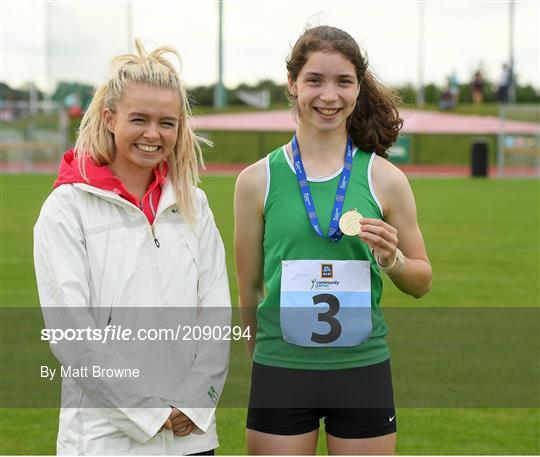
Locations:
(349, 223)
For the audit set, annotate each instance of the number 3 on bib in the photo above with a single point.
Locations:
(325, 303)
(328, 316)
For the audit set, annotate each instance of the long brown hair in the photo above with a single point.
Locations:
(375, 122)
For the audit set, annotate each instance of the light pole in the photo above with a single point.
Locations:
(420, 92)
(48, 65)
(512, 88)
(219, 91)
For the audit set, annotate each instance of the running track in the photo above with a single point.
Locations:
(414, 122)
(421, 122)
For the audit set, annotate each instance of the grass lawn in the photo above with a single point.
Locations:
(247, 147)
(483, 241)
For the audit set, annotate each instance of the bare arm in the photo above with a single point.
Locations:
(398, 230)
(248, 244)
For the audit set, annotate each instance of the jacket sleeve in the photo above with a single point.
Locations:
(63, 279)
(198, 394)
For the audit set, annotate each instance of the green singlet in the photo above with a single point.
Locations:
(288, 235)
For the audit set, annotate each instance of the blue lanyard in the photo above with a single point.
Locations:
(334, 233)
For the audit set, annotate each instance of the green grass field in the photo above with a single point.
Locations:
(483, 241)
(247, 147)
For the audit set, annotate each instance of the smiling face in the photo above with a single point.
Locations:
(326, 89)
(144, 125)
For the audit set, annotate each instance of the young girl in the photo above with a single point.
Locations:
(127, 241)
(312, 291)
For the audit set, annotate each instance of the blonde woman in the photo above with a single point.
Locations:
(127, 241)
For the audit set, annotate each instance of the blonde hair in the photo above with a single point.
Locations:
(95, 141)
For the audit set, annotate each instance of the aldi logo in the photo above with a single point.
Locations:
(327, 270)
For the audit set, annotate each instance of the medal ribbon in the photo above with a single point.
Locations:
(334, 233)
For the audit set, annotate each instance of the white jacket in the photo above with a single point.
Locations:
(97, 261)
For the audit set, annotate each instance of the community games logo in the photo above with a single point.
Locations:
(327, 271)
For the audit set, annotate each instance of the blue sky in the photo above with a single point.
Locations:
(85, 35)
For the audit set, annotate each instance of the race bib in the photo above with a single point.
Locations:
(325, 303)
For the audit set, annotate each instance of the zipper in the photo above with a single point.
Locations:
(156, 241)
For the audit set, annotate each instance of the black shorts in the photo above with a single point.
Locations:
(354, 402)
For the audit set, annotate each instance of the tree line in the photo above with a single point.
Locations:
(204, 95)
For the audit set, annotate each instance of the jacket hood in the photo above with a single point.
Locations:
(97, 176)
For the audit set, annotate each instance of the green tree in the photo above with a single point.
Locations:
(201, 95)
(432, 94)
(83, 91)
(527, 94)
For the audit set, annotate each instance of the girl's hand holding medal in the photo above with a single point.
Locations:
(381, 238)
(378, 235)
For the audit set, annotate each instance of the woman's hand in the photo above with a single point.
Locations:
(179, 423)
(381, 238)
